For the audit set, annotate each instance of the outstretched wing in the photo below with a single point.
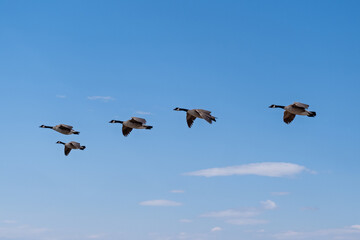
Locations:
(126, 130)
(205, 115)
(65, 127)
(190, 119)
(300, 105)
(138, 120)
(67, 150)
(288, 117)
(75, 144)
(203, 110)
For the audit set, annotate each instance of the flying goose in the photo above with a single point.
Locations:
(71, 145)
(294, 109)
(192, 114)
(134, 122)
(62, 128)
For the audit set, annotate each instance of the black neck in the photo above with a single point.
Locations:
(183, 109)
(47, 127)
(61, 143)
(117, 121)
(279, 106)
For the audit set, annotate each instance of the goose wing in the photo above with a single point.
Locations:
(138, 120)
(75, 144)
(288, 117)
(203, 110)
(190, 119)
(65, 127)
(300, 105)
(126, 130)
(67, 150)
(205, 115)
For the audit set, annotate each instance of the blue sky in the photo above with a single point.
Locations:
(84, 63)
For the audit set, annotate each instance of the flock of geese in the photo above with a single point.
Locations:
(191, 114)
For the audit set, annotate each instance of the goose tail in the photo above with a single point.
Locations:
(76, 132)
(149, 127)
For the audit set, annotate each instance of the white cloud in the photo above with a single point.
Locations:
(232, 213)
(269, 169)
(268, 204)
(334, 233)
(280, 193)
(245, 216)
(246, 221)
(185, 220)
(9, 221)
(288, 234)
(355, 227)
(102, 98)
(183, 235)
(177, 191)
(61, 96)
(22, 232)
(160, 203)
(216, 229)
(143, 113)
(94, 236)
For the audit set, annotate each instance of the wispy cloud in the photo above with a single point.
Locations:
(216, 229)
(268, 204)
(357, 227)
(9, 221)
(177, 191)
(160, 203)
(309, 208)
(352, 232)
(95, 236)
(269, 169)
(102, 98)
(280, 193)
(143, 113)
(183, 235)
(247, 221)
(244, 216)
(15, 231)
(232, 213)
(60, 96)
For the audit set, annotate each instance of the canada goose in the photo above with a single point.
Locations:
(192, 114)
(62, 128)
(71, 145)
(294, 109)
(134, 122)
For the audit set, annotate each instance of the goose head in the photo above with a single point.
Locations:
(60, 142)
(276, 106)
(115, 121)
(180, 109)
